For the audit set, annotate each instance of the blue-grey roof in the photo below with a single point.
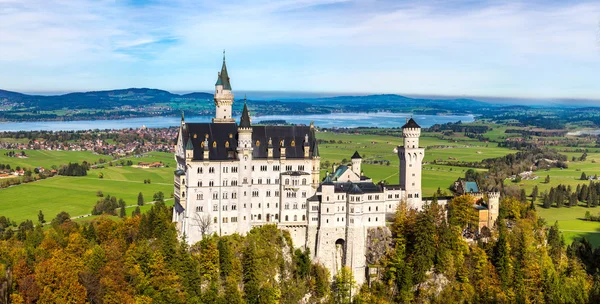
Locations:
(471, 187)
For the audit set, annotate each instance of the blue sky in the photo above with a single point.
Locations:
(538, 49)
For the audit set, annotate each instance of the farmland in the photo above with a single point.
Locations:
(77, 195)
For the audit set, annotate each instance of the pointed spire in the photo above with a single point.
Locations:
(223, 76)
(245, 120)
(189, 145)
(182, 118)
(355, 155)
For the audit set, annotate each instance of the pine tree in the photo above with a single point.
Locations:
(122, 213)
(140, 199)
(423, 241)
(523, 196)
(343, 284)
(225, 257)
(534, 193)
(555, 242)
(250, 274)
(41, 217)
(501, 257)
(583, 176)
(547, 180)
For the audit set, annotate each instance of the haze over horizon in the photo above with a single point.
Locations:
(544, 49)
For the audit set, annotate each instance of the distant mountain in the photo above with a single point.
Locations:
(99, 100)
(198, 95)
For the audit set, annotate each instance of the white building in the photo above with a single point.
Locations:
(232, 177)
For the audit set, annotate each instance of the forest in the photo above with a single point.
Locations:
(140, 259)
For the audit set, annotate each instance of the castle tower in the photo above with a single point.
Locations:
(411, 159)
(356, 162)
(223, 96)
(316, 159)
(244, 153)
(493, 208)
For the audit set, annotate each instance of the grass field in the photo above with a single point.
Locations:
(46, 159)
(571, 223)
(77, 195)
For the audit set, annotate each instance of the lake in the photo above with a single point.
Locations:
(340, 120)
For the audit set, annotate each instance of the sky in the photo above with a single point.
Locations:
(529, 49)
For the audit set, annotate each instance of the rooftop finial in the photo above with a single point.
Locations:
(223, 55)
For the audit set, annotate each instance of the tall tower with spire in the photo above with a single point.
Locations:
(223, 96)
(411, 163)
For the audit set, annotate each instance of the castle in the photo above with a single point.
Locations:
(232, 177)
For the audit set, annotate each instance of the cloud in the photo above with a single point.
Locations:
(428, 47)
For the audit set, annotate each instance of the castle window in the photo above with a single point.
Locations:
(370, 197)
(295, 218)
(351, 210)
(277, 181)
(244, 217)
(214, 144)
(258, 143)
(215, 207)
(245, 180)
(224, 182)
(199, 196)
(389, 196)
(259, 217)
(226, 144)
(287, 181)
(211, 170)
(409, 195)
(216, 195)
(351, 221)
(301, 168)
(303, 194)
(276, 216)
(268, 181)
(377, 197)
(369, 208)
(183, 194)
(260, 181)
(376, 219)
(267, 205)
(288, 168)
(252, 168)
(369, 219)
(413, 184)
(327, 221)
(268, 193)
(276, 193)
(199, 209)
(215, 219)
(224, 207)
(225, 195)
(211, 183)
(287, 206)
(293, 143)
(199, 184)
(286, 218)
(225, 169)
(234, 219)
(234, 207)
(376, 208)
(295, 206)
(416, 194)
(255, 193)
(304, 181)
(234, 169)
(303, 206)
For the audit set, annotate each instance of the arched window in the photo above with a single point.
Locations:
(287, 181)
(295, 218)
(304, 217)
(304, 181)
(286, 218)
(215, 219)
(259, 217)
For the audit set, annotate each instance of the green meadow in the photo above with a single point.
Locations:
(47, 159)
(77, 195)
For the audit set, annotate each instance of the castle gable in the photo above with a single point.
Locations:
(222, 138)
(292, 138)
